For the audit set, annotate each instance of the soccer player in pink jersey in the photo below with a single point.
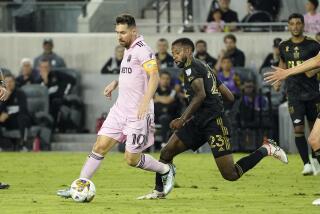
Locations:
(131, 118)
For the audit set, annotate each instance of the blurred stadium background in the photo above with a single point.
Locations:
(81, 34)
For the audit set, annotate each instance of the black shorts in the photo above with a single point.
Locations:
(299, 108)
(194, 134)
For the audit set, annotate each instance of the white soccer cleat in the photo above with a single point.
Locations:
(316, 202)
(275, 150)
(153, 195)
(307, 169)
(168, 179)
(315, 166)
(64, 193)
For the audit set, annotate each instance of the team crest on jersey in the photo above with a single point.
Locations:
(188, 71)
(287, 48)
(296, 53)
(129, 58)
(150, 55)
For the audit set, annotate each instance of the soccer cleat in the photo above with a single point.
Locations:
(153, 195)
(307, 169)
(168, 179)
(316, 202)
(4, 186)
(315, 166)
(275, 150)
(64, 193)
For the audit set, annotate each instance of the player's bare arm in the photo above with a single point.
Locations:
(310, 67)
(109, 88)
(226, 93)
(152, 70)
(199, 96)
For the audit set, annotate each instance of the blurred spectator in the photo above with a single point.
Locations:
(203, 55)
(312, 18)
(23, 12)
(113, 64)
(59, 85)
(255, 15)
(228, 76)
(273, 58)
(216, 25)
(228, 15)
(231, 50)
(318, 37)
(14, 112)
(55, 60)
(272, 7)
(28, 74)
(165, 105)
(166, 60)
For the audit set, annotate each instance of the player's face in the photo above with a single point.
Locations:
(179, 55)
(125, 34)
(296, 27)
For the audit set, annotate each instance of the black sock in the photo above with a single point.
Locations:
(302, 147)
(248, 162)
(159, 184)
(317, 155)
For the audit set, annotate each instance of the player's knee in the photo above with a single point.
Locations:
(99, 148)
(131, 161)
(230, 176)
(165, 155)
(299, 130)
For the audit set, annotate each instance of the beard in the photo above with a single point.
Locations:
(181, 63)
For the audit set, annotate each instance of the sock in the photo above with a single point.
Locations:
(91, 165)
(147, 162)
(302, 147)
(248, 162)
(317, 155)
(159, 184)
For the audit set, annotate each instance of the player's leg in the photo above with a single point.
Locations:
(102, 146)
(218, 139)
(167, 153)
(297, 112)
(314, 138)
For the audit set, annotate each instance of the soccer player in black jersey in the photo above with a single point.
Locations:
(309, 67)
(302, 91)
(204, 121)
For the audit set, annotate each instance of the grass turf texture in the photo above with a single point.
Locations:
(271, 187)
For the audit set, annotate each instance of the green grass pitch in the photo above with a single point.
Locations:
(272, 187)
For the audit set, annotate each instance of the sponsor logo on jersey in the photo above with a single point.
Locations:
(126, 70)
(188, 72)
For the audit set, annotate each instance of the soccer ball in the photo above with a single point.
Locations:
(82, 190)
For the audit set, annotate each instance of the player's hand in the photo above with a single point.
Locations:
(4, 94)
(143, 108)
(109, 88)
(177, 123)
(274, 77)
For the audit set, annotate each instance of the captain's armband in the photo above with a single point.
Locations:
(150, 66)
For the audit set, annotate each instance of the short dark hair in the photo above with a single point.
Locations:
(184, 42)
(315, 3)
(164, 72)
(126, 19)
(296, 16)
(200, 41)
(9, 75)
(163, 40)
(230, 36)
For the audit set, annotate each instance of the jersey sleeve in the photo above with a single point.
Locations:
(281, 49)
(145, 54)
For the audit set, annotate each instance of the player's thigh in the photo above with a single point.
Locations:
(104, 144)
(314, 137)
(140, 134)
(174, 147)
(297, 111)
(312, 110)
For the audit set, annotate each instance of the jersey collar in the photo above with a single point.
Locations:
(138, 39)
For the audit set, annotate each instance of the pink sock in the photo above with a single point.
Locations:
(147, 162)
(91, 165)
